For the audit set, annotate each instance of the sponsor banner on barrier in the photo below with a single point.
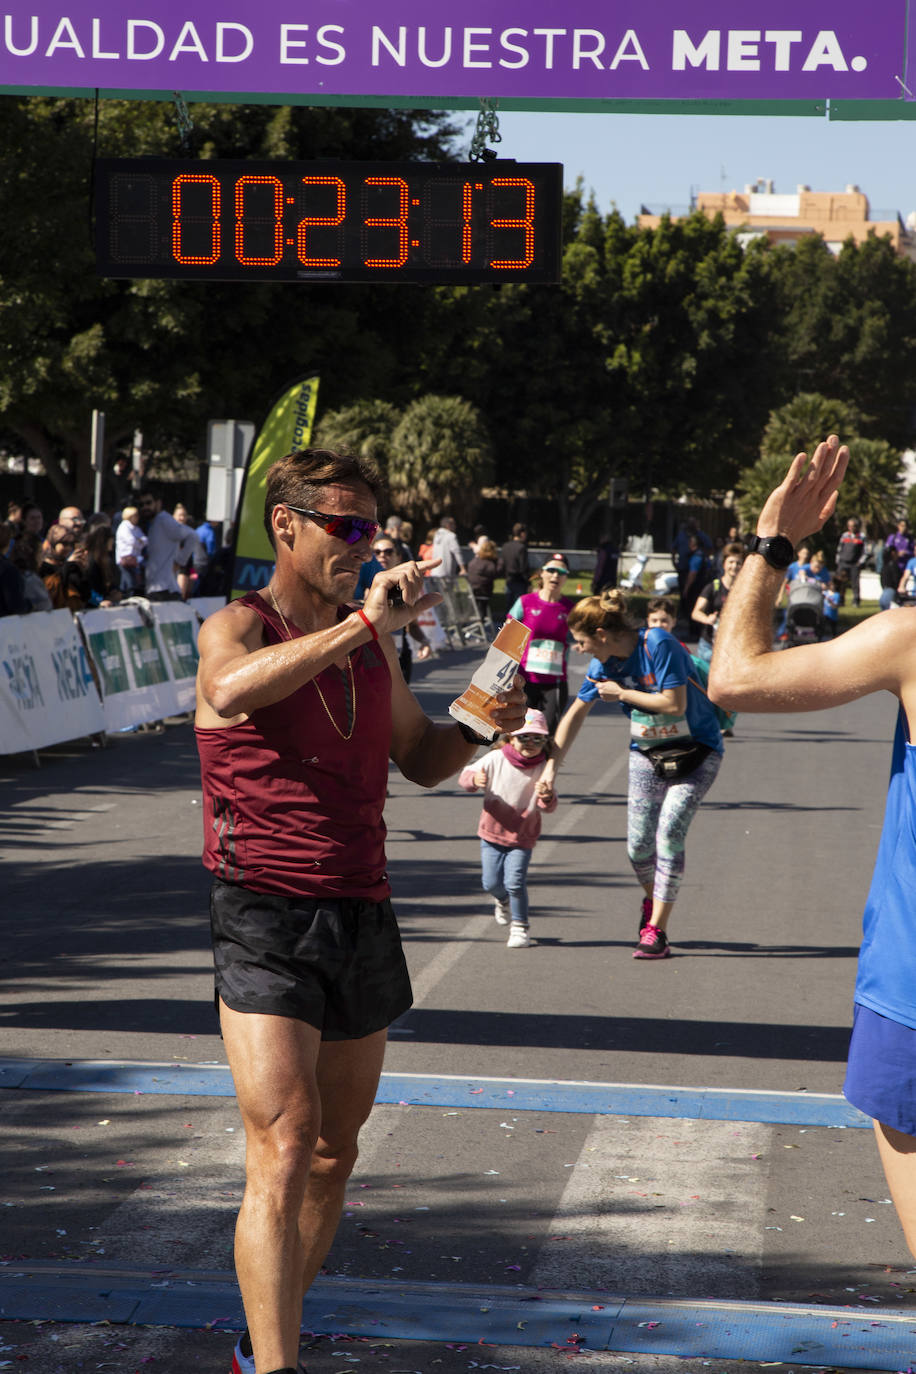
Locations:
(146, 662)
(110, 659)
(177, 626)
(47, 691)
(130, 667)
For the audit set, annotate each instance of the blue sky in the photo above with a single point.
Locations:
(660, 159)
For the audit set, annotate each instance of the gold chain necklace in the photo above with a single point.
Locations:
(314, 681)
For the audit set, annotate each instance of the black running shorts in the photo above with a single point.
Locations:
(334, 963)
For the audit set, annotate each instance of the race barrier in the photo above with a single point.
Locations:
(146, 660)
(63, 677)
(47, 690)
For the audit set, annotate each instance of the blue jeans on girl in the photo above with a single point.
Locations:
(504, 870)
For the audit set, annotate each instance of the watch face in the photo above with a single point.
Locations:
(776, 549)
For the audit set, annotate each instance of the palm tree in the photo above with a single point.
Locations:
(873, 486)
(441, 457)
(872, 489)
(755, 484)
(800, 425)
(365, 428)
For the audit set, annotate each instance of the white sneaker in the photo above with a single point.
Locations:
(518, 937)
(242, 1364)
(501, 912)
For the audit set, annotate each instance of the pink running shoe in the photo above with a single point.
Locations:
(653, 944)
(645, 915)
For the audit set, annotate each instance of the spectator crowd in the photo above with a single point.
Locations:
(135, 547)
(78, 561)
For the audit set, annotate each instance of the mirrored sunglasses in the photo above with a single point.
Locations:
(350, 528)
(530, 739)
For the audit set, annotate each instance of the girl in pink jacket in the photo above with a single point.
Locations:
(510, 823)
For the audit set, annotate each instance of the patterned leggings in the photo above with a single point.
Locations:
(658, 818)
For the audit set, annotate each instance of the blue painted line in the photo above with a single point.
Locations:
(14, 1072)
(437, 1090)
(622, 1099)
(836, 1337)
(125, 1076)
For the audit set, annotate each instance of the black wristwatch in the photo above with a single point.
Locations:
(472, 737)
(774, 549)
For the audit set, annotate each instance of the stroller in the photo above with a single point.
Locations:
(805, 614)
(633, 580)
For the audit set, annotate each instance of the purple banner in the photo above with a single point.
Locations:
(589, 50)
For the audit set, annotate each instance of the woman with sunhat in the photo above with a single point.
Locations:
(546, 613)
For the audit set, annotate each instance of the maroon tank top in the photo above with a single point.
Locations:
(290, 806)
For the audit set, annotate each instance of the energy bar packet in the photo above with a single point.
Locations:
(494, 675)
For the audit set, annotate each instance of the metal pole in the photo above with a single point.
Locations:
(98, 454)
(136, 459)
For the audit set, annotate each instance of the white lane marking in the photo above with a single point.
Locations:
(439, 966)
(660, 1206)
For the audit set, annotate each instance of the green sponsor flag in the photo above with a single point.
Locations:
(288, 426)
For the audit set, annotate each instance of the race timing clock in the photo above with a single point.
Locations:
(329, 221)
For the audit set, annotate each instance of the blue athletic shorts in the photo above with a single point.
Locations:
(881, 1072)
(335, 963)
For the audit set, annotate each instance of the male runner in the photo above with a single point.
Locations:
(300, 705)
(877, 655)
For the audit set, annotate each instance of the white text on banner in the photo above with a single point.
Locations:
(132, 667)
(176, 626)
(47, 693)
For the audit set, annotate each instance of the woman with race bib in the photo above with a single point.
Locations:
(543, 665)
(675, 745)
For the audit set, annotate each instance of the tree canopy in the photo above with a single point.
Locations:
(649, 361)
(659, 357)
(440, 458)
(166, 356)
(872, 489)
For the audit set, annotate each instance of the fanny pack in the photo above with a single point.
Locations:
(670, 761)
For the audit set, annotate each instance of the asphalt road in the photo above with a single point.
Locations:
(106, 960)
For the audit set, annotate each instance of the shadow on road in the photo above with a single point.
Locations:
(634, 1034)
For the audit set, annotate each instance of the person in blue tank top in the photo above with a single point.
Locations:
(675, 745)
(877, 655)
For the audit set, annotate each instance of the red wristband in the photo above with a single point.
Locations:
(367, 622)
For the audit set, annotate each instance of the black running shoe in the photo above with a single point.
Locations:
(653, 944)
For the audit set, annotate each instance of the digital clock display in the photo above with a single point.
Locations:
(329, 221)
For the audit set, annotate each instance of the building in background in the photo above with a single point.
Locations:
(760, 211)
